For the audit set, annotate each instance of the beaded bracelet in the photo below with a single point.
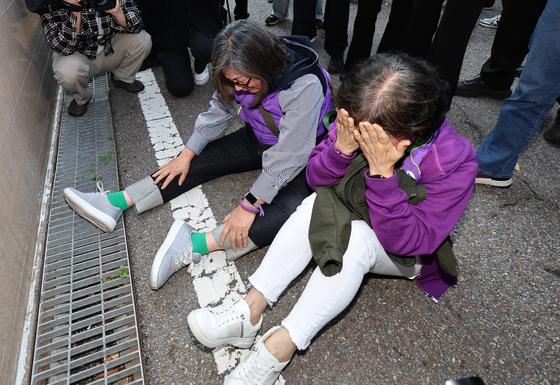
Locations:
(341, 153)
(259, 211)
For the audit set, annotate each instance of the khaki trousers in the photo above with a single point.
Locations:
(74, 71)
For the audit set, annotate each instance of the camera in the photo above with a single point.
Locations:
(99, 5)
(42, 6)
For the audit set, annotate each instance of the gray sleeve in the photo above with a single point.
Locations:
(210, 124)
(301, 105)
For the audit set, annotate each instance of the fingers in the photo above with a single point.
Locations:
(403, 145)
(224, 234)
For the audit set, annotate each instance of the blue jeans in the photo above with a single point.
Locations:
(524, 112)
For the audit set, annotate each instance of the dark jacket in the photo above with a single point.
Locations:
(170, 21)
(338, 204)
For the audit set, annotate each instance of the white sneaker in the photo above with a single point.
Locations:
(94, 208)
(259, 368)
(225, 325)
(202, 78)
(491, 22)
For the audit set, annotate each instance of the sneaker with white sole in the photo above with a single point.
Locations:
(175, 253)
(202, 78)
(491, 22)
(494, 182)
(259, 368)
(94, 207)
(272, 20)
(224, 325)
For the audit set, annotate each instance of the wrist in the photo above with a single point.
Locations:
(251, 208)
(374, 173)
(343, 150)
(187, 154)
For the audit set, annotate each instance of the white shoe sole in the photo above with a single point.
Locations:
(494, 183)
(94, 216)
(242, 343)
(162, 251)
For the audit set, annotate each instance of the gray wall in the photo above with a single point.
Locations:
(27, 100)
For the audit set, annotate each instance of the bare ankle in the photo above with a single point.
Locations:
(280, 345)
(257, 303)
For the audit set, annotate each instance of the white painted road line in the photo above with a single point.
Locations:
(215, 279)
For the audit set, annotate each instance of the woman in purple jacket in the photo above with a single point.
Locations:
(388, 103)
(278, 87)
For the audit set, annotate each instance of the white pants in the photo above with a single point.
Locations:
(324, 297)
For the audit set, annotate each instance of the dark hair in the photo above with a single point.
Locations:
(402, 94)
(248, 49)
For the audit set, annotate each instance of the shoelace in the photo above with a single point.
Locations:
(183, 260)
(227, 315)
(252, 372)
(100, 188)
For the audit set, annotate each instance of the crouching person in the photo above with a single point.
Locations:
(86, 42)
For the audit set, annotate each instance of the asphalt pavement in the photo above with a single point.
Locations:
(502, 322)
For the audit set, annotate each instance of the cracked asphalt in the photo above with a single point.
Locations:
(501, 323)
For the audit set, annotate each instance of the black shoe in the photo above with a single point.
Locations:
(134, 87)
(552, 135)
(318, 23)
(477, 88)
(336, 65)
(271, 20)
(77, 110)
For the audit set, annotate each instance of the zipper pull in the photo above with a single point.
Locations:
(432, 298)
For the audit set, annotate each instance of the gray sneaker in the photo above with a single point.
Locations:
(94, 208)
(175, 253)
(224, 325)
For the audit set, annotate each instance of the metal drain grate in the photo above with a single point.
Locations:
(87, 331)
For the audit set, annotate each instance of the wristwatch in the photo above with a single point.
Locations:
(253, 200)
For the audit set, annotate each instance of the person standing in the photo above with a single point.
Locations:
(522, 114)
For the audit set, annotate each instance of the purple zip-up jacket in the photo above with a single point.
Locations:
(448, 171)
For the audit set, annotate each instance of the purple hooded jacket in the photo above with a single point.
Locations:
(447, 170)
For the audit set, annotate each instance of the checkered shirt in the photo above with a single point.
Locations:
(60, 29)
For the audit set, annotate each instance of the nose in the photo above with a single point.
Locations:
(239, 88)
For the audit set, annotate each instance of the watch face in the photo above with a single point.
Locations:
(251, 198)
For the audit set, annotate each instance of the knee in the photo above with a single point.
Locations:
(142, 44)
(145, 41)
(180, 89)
(70, 72)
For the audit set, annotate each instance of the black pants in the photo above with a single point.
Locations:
(511, 43)
(236, 153)
(335, 25)
(177, 66)
(452, 34)
(304, 18)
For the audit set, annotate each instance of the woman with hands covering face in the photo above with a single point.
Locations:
(261, 78)
(391, 145)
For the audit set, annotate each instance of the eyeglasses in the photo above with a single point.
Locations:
(233, 84)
